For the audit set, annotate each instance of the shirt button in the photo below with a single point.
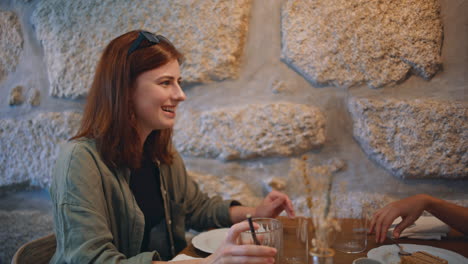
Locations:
(169, 222)
(172, 248)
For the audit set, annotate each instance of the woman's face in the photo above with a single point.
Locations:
(157, 95)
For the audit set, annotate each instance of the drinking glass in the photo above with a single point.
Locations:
(296, 240)
(269, 234)
(353, 235)
(322, 256)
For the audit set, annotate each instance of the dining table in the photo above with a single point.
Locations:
(454, 241)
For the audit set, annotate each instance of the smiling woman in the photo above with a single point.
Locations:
(120, 191)
(110, 113)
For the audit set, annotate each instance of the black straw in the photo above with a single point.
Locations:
(252, 230)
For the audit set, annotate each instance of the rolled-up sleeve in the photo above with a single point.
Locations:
(202, 212)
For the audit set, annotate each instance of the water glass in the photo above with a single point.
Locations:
(269, 234)
(322, 256)
(296, 240)
(353, 235)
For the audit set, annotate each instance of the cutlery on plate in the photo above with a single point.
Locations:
(401, 252)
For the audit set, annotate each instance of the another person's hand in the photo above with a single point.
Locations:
(273, 204)
(409, 209)
(230, 252)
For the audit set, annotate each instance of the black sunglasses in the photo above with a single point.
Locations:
(148, 36)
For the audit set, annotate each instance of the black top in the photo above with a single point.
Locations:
(145, 185)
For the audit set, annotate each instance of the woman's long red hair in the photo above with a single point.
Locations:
(109, 111)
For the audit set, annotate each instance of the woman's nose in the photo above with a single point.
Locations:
(179, 93)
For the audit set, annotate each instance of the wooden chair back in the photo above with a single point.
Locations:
(39, 251)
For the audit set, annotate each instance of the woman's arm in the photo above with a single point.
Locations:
(411, 209)
(452, 214)
(271, 206)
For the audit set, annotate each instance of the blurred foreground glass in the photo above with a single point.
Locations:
(353, 235)
(321, 256)
(296, 240)
(269, 234)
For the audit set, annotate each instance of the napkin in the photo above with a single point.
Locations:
(425, 227)
(182, 257)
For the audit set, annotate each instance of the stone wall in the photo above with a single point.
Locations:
(379, 85)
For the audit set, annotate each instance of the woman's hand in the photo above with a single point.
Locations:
(409, 209)
(273, 205)
(230, 252)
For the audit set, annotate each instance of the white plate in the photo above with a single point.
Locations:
(388, 254)
(210, 241)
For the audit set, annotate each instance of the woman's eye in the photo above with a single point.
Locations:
(165, 83)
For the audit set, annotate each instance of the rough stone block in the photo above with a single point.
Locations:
(34, 97)
(16, 96)
(227, 187)
(257, 130)
(343, 43)
(29, 147)
(11, 42)
(347, 204)
(421, 138)
(211, 34)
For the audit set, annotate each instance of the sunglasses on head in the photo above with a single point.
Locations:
(148, 36)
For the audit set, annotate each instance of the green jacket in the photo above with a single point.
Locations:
(96, 217)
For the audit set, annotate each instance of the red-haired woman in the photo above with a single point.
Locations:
(120, 191)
